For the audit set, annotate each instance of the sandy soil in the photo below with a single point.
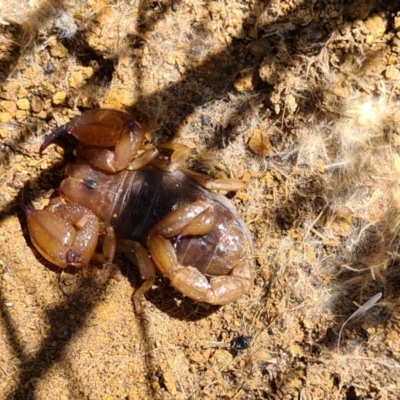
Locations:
(301, 95)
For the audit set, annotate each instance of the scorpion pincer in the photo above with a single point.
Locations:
(159, 214)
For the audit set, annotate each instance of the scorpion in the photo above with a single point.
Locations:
(119, 195)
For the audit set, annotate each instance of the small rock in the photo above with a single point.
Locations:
(246, 82)
(222, 359)
(259, 48)
(259, 142)
(58, 50)
(170, 382)
(392, 59)
(4, 133)
(22, 92)
(20, 115)
(9, 106)
(79, 76)
(5, 117)
(268, 70)
(396, 46)
(291, 104)
(392, 73)
(376, 27)
(23, 104)
(41, 115)
(36, 104)
(59, 98)
(396, 23)
(155, 385)
(341, 89)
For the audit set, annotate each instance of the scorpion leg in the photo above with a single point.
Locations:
(192, 283)
(109, 244)
(65, 234)
(227, 184)
(189, 280)
(150, 152)
(139, 256)
(193, 219)
(218, 291)
(180, 153)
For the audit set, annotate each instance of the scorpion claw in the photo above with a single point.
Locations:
(109, 139)
(65, 235)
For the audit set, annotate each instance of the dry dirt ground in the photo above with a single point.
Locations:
(303, 95)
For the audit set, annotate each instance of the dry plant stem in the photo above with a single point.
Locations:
(361, 310)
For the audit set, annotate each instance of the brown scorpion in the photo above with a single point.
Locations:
(156, 212)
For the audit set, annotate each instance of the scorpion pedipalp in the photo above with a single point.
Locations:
(109, 139)
(65, 234)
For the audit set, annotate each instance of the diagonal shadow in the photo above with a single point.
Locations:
(80, 304)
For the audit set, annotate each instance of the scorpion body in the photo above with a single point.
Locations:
(132, 202)
(159, 216)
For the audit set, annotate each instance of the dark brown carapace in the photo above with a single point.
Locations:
(156, 212)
